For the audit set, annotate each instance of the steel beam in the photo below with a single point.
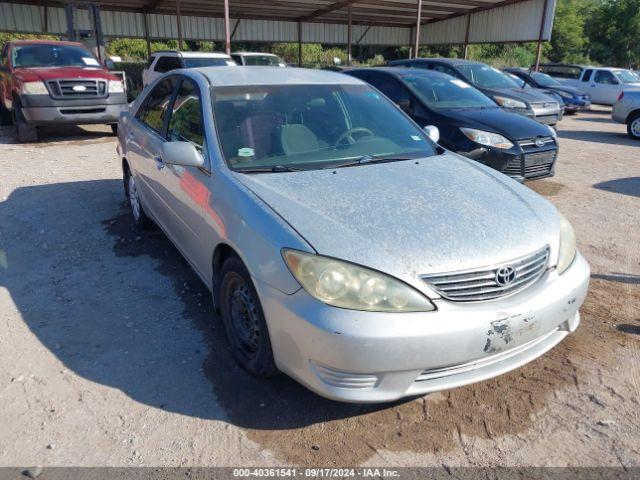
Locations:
(418, 24)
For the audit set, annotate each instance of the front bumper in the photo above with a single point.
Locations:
(369, 357)
(74, 115)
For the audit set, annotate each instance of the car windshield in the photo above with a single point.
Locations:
(519, 81)
(265, 60)
(283, 127)
(625, 76)
(485, 76)
(51, 55)
(446, 93)
(544, 80)
(207, 62)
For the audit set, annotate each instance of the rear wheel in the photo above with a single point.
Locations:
(244, 320)
(633, 126)
(135, 204)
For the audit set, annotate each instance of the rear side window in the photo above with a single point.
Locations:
(587, 75)
(605, 77)
(166, 64)
(185, 124)
(391, 88)
(154, 109)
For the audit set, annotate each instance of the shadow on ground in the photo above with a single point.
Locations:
(625, 186)
(118, 307)
(70, 134)
(613, 138)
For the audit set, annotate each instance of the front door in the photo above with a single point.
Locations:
(605, 88)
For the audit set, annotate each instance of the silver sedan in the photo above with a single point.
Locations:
(342, 245)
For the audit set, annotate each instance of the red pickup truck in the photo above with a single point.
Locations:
(53, 83)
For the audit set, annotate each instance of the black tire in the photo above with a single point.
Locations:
(5, 116)
(633, 126)
(114, 129)
(244, 321)
(25, 133)
(138, 215)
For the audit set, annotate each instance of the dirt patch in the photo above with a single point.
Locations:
(548, 188)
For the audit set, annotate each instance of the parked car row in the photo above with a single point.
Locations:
(343, 246)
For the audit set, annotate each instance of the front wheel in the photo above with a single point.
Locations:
(633, 127)
(244, 320)
(25, 132)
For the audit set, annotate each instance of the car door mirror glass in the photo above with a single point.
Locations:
(182, 153)
(432, 132)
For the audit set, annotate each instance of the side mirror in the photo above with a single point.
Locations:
(109, 64)
(181, 153)
(405, 105)
(432, 132)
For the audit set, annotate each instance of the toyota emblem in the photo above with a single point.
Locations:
(505, 275)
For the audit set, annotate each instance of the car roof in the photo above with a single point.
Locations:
(249, 54)
(402, 72)
(191, 54)
(449, 61)
(47, 42)
(233, 76)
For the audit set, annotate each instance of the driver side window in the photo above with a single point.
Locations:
(605, 77)
(185, 123)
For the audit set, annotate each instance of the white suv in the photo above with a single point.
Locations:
(161, 62)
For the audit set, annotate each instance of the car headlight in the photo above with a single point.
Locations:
(487, 138)
(567, 245)
(346, 285)
(34, 88)
(509, 102)
(116, 86)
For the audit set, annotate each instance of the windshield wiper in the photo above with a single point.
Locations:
(365, 159)
(273, 169)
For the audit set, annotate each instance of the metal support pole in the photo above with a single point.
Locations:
(299, 43)
(349, 28)
(179, 20)
(227, 32)
(542, 21)
(145, 18)
(68, 12)
(466, 37)
(418, 20)
(97, 29)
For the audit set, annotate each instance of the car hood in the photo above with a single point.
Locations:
(437, 214)
(527, 95)
(56, 73)
(513, 125)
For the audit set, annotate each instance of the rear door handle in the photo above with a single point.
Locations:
(159, 162)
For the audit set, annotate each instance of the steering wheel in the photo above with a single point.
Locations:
(348, 135)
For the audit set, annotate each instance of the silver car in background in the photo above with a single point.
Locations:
(627, 110)
(343, 246)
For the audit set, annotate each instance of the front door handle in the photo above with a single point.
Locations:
(159, 162)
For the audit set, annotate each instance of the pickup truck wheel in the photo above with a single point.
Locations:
(244, 321)
(135, 203)
(25, 133)
(5, 116)
(633, 127)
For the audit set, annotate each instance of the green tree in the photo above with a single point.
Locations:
(568, 41)
(613, 28)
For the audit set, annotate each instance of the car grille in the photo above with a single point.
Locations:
(538, 161)
(547, 119)
(77, 88)
(489, 283)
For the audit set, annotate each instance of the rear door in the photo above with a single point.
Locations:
(144, 138)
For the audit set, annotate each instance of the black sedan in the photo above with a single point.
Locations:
(574, 99)
(495, 84)
(470, 123)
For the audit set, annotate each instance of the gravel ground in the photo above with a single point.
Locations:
(110, 354)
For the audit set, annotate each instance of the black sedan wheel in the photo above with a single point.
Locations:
(244, 321)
